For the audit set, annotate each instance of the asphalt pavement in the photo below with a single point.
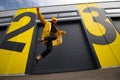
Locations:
(99, 74)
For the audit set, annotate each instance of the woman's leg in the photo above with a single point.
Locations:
(46, 51)
(48, 47)
(50, 38)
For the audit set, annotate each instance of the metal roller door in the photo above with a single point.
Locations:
(2, 31)
(116, 22)
(73, 55)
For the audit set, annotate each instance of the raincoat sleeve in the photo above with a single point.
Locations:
(40, 16)
(59, 34)
(47, 25)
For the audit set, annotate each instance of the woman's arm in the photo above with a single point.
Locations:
(40, 16)
(60, 31)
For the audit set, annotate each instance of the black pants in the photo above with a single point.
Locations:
(49, 45)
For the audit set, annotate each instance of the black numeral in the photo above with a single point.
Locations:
(18, 46)
(110, 34)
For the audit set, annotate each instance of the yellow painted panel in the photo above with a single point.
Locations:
(91, 26)
(19, 60)
(22, 21)
(115, 46)
(107, 54)
(4, 62)
(14, 62)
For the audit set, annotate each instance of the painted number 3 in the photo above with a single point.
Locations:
(110, 34)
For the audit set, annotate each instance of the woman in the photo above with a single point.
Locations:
(49, 35)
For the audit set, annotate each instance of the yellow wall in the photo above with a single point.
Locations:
(108, 54)
(14, 62)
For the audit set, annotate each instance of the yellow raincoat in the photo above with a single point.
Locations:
(47, 29)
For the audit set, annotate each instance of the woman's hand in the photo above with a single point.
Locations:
(63, 32)
(37, 9)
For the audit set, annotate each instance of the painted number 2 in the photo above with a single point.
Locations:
(18, 46)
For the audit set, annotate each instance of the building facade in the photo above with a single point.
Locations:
(92, 40)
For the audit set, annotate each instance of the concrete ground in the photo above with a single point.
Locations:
(99, 74)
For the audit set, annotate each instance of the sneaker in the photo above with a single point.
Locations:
(36, 61)
(39, 40)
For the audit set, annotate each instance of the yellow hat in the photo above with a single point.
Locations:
(53, 18)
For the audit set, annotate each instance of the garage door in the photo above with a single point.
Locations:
(73, 55)
(2, 31)
(116, 22)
